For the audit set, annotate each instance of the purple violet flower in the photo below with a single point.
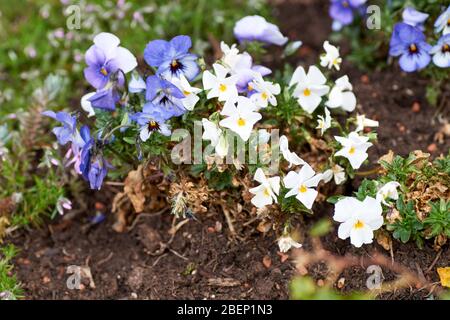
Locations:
(68, 132)
(256, 28)
(342, 12)
(105, 98)
(165, 96)
(105, 58)
(93, 166)
(409, 43)
(172, 58)
(414, 18)
(150, 120)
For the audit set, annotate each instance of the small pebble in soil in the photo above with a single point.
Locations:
(267, 262)
(365, 79)
(432, 147)
(134, 295)
(415, 107)
(320, 283)
(341, 283)
(46, 280)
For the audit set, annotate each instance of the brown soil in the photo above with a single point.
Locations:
(202, 262)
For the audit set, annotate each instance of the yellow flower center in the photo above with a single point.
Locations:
(223, 88)
(448, 22)
(186, 93)
(103, 71)
(302, 189)
(358, 225)
(413, 48)
(345, 4)
(306, 92)
(266, 192)
(174, 63)
(352, 150)
(241, 122)
(249, 87)
(446, 48)
(264, 96)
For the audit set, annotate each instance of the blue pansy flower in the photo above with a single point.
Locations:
(342, 12)
(166, 96)
(441, 52)
(105, 58)
(68, 131)
(105, 98)
(442, 23)
(93, 166)
(414, 18)
(172, 58)
(150, 120)
(410, 44)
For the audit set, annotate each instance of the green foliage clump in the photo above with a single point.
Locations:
(10, 288)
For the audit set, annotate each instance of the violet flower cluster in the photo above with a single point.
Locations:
(343, 12)
(408, 41)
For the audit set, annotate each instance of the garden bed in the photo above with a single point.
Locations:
(202, 260)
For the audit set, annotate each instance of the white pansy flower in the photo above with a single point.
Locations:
(240, 118)
(388, 191)
(265, 92)
(359, 219)
(266, 193)
(233, 60)
(336, 172)
(285, 243)
(220, 86)
(442, 23)
(86, 104)
(441, 52)
(354, 149)
(137, 84)
(362, 122)
(213, 133)
(309, 88)
(341, 96)
(290, 156)
(302, 185)
(324, 122)
(190, 93)
(331, 58)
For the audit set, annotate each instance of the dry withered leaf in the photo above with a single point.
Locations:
(189, 194)
(444, 276)
(134, 189)
(388, 157)
(439, 242)
(264, 226)
(439, 137)
(384, 239)
(393, 215)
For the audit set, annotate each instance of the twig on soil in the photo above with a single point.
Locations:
(110, 255)
(438, 255)
(146, 214)
(178, 254)
(166, 245)
(233, 232)
(115, 183)
(157, 259)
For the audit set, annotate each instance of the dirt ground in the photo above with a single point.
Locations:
(202, 262)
